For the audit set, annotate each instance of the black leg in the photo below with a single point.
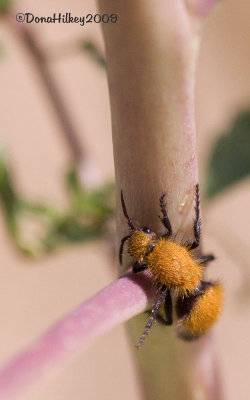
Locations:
(150, 249)
(121, 247)
(164, 219)
(137, 267)
(185, 304)
(168, 308)
(152, 318)
(197, 220)
(206, 259)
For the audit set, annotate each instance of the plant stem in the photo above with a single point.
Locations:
(151, 56)
(114, 304)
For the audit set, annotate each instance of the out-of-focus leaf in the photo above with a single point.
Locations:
(1, 51)
(69, 229)
(39, 209)
(84, 219)
(5, 5)
(230, 159)
(96, 203)
(72, 181)
(90, 48)
(8, 196)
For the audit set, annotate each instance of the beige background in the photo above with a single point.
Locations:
(34, 294)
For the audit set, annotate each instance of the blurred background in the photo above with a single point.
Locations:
(57, 185)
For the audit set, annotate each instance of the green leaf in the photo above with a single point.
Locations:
(2, 51)
(230, 159)
(5, 5)
(8, 196)
(72, 181)
(84, 219)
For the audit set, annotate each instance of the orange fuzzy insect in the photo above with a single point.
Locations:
(175, 269)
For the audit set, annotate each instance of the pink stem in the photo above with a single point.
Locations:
(114, 304)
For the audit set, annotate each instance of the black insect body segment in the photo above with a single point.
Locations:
(175, 269)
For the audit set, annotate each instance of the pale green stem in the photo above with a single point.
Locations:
(151, 54)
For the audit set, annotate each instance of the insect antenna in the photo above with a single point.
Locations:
(151, 319)
(130, 223)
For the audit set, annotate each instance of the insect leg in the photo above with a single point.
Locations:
(164, 219)
(185, 304)
(150, 249)
(168, 308)
(121, 248)
(206, 259)
(137, 267)
(152, 318)
(197, 220)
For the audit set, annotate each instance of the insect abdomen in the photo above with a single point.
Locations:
(199, 313)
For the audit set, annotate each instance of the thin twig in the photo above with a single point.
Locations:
(26, 35)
